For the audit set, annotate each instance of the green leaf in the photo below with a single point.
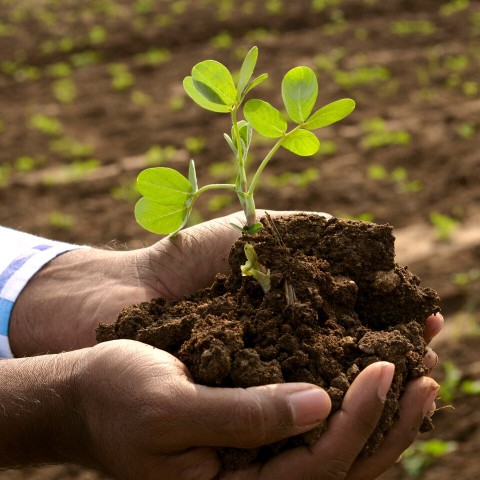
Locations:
(230, 143)
(331, 113)
(214, 81)
(255, 82)
(246, 70)
(163, 184)
(198, 98)
(301, 142)
(265, 119)
(299, 92)
(168, 196)
(159, 218)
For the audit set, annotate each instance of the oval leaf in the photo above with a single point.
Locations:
(160, 218)
(214, 81)
(299, 92)
(302, 142)
(265, 118)
(198, 98)
(164, 185)
(331, 113)
(246, 70)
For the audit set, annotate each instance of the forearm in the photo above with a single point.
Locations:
(40, 419)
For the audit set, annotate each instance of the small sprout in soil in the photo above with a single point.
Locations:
(168, 196)
(255, 269)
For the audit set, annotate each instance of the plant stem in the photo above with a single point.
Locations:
(215, 186)
(246, 200)
(265, 161)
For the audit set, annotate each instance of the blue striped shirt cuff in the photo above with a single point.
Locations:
(21, 256)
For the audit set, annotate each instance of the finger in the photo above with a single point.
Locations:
(246, 418)
(433, 326)
(351, 427)
(416, 402)
(348, 431)
(431, 359)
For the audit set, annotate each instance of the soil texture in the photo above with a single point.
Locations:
(337, 302)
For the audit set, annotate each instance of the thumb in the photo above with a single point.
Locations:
(248, 418)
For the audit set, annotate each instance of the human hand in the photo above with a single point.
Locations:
(145, 419)
(62, 305)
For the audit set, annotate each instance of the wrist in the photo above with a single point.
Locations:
(42, 422)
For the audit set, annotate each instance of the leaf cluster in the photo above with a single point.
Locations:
(168, 196)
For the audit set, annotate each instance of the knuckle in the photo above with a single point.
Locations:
(249, 422)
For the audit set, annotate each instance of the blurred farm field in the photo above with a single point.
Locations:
(91, 93)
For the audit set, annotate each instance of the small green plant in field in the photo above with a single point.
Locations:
(411, 27)
(423, 454)
(378, 135)
(194, 144)
(46, 124)
(444, 225)
(68, 147)
(399, 176)
(466, 129)
(27, 164)
(153, 57)
(454, 384)
(59, 70)
(297, 179)
(61, 220)
(64, 90)
(157, 155)
(168, 196)
(222, 40)
(5, 172)
(122, 78)
(465, 279)
(453, 6)
(367, 75)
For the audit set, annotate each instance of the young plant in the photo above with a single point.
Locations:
(168, 196)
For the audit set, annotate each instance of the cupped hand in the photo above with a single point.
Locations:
(146, 419)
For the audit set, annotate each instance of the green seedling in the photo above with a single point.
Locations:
(168, 196)
(253, 268)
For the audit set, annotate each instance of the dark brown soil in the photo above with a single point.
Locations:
(337, 303)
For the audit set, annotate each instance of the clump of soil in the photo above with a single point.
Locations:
(338, 302)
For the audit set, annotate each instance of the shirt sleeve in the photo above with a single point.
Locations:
(21, 256)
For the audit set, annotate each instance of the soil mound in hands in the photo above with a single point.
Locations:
(337, 303)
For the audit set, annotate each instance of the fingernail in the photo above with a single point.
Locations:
(399, 459)
(385, 380)
(431, 410)
(309, 406)
(431, 359)
(430, 398)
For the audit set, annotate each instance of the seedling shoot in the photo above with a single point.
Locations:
(168, 196)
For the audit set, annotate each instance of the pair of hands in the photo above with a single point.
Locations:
(137, 413)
